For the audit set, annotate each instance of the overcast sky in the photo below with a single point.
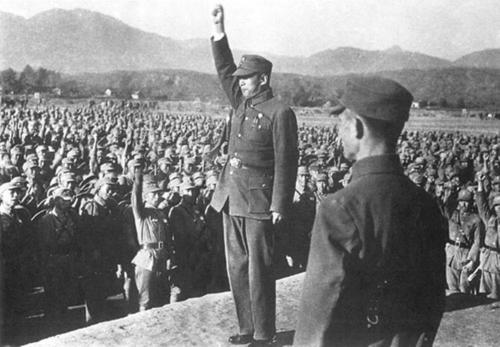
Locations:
(443, 28)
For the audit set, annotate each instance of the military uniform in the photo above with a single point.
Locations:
(60, 247)
(153, 238)
(490, 250)
(375, 273)
(99, 225)
(464, 234)
(258, 178)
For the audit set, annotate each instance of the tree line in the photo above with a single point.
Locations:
(450, 87)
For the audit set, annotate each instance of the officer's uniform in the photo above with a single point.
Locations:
(375, 273)
(259, 177)
(490, 249)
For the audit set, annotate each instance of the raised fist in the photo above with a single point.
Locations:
(218, 14)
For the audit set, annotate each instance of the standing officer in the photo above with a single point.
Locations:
(256, 185)
(376, 268)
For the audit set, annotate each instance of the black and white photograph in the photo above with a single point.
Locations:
(250, 173)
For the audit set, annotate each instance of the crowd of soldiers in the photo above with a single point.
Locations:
(106, 199)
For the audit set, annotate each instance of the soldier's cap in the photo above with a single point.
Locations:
(10, 186)
(187, 185)
(438, 182)
(107, 167)
(29, 165)
(496, 201)
(211, 180)
(302, 171)
(210, 173)
(251, 64)
(165, 161)
(464, 195)
(103, 181)
(198, 175)
(31, 157)
(321, 177)
(496, 180)
(67, 176)
(190, 161)
(63, 193)
(73, 153)
(378, 98)
(150, 187)
(417, 177)
(174, 176)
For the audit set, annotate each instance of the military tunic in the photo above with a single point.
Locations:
(464, 233)
(377, 254)
(490, 250)
(258, 178)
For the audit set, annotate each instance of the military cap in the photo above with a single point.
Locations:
(210, 173)
(103, 181)
(464, 195)
(150, 187)
(187, 184)
(107, 167)
(40, 148)
(63, 193)
(496, 180)
(67, 176)
(302, 171)
(198, 175)
(164, 161)
(321, 177)
(211, 180)
(496, 201)
(10, 186)
(29, 165)
(190, 161)
(416, 177)
(251, 64)
(378, 98)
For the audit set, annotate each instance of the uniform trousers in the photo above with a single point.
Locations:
(249, 247)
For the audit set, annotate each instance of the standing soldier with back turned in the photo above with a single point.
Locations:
(256, 185)
(376, 269)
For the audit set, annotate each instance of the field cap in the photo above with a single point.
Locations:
(321, 177)
(151, 187)
(10, 186)
(251, 64)
(302, 171)
(103, 181)
(464, 195)
(63, 193)
(377, 98)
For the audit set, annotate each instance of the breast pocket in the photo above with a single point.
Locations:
(259, 190)
(259, 129)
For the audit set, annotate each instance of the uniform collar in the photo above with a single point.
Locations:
(259, 98)
(386, 163)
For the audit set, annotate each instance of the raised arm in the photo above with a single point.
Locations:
(224, 62)
(136, 198)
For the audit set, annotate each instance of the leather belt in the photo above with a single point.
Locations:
(492, 248)
(458, 244)
(153, 245)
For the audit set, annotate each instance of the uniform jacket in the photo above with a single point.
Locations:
(490, 251)
(263, 138)
(381, 230)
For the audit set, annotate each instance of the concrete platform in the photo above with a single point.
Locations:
(209, 320)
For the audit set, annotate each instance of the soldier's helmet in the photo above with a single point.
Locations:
(465, 195)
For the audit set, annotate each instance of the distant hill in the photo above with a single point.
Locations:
(76, 41)
(488, 58)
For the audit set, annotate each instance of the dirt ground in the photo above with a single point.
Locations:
(207, 321)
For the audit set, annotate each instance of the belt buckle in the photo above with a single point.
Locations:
(160, 245)
(235, 162)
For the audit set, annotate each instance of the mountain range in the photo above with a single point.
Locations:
(77, 41)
